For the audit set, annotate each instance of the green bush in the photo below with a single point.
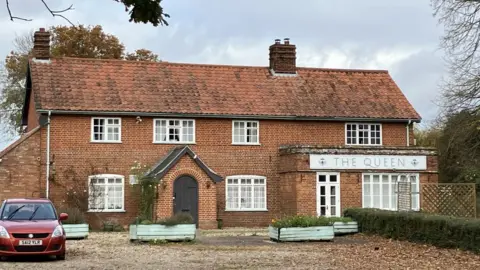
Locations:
(146, 222)
(441, 231)
(301, 221)
(180, 218)
(340, 219)
(75, 215)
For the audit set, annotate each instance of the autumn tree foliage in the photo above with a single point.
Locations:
(66, 41)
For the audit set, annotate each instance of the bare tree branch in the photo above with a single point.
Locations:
(461, 43)
(56, 13)
(14, 17)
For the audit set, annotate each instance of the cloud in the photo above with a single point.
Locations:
(401, 36)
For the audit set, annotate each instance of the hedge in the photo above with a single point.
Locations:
(306, 221)
(437, 230)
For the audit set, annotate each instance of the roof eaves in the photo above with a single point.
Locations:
(417, 118)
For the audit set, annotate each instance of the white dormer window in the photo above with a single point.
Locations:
(363, 134)
(106, 130)
(245, 132)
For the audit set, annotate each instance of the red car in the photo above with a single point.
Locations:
(31, 227)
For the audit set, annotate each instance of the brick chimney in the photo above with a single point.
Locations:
(283, 57)
(41, 44)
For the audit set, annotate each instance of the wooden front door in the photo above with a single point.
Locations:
(185, 196)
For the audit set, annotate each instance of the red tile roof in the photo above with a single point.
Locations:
(74, 84)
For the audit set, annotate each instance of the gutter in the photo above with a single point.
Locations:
(230, 116)
(48, 156)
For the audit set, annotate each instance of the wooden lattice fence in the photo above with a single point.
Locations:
(451, 199)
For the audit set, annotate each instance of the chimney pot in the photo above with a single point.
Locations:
(41, 44)
(283, 57)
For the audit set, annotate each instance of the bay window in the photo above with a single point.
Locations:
(380, 190)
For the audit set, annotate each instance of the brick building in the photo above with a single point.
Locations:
(240, 144)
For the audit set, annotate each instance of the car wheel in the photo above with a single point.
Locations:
(61, 257)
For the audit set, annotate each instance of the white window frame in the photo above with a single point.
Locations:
(245, 122)
(252, 177)
(369, 135)
(180, 134)
(327, 183)
(106, 176)
(414, 192)
(92, 136)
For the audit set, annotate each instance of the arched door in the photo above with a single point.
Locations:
(185, 196)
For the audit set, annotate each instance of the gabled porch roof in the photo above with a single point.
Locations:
(174, 155)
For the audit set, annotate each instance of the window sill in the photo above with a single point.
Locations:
(363, 144)
(106, 211)
(246, 210)
(174, 143)
(246, 144)
(105, 142)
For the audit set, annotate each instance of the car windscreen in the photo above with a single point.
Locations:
(28, 211)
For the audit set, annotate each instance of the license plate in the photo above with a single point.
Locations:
(30, 242)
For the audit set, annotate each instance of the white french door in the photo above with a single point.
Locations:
(328, 194)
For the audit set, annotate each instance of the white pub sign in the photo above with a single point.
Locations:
(378, 162)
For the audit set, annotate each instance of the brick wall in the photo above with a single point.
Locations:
(20, 175)
(32, 120)
(288, 194)
(71, 149)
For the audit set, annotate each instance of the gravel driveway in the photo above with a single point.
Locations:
(114, 251)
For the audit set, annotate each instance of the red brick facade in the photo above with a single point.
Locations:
(290, 183)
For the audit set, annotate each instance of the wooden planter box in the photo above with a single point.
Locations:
(301, 233)
(345, 227)
(181, 232)
(76, 231)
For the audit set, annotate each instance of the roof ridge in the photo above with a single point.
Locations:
(320, 69)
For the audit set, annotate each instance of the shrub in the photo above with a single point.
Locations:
(441, 231)
(146, 222)
(75, 216)
(180, 218)
(301, 221)
(141, 220)
(340, 219)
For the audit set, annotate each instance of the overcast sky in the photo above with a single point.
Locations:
(400, 36)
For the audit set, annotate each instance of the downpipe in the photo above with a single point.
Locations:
(408, 132)
(47, 187)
